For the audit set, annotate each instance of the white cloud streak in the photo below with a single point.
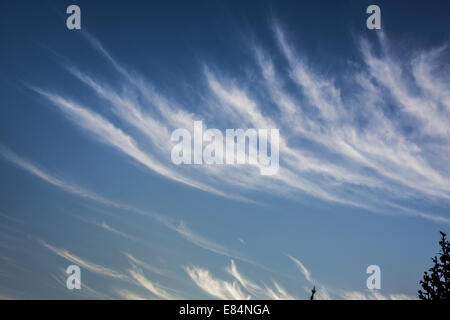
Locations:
(241, 288)
(354, 161)
(179, 227)
(138, 276)
(146, 266)
(93, 267)
(374, 295)
(216, 287)
(302, 268)
(323, 291)
(135, 275)
(128, 295)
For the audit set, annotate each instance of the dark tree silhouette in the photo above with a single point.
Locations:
(436, 283)
(313, 291)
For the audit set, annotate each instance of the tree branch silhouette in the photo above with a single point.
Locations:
(436, 282)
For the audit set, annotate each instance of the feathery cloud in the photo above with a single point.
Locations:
(93, 267)
(216, 287)
(139, 277)
(302, 268)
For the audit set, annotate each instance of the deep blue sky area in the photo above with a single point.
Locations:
(86, 175)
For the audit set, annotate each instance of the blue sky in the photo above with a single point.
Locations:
(87, 179)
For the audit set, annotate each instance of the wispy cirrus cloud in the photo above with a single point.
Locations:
(302, 268)
(238, 289)
(200, 241)
(162, 293)
(216, 287)
(381, 144)
(107, 133)
(180, 227)
(109, 228)
(128, 295)
(135, 275)
(85, 292)
(360, 146)
(93, 267)
(145, 265)
(324, 292)
(50, 178)
(374, 295)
